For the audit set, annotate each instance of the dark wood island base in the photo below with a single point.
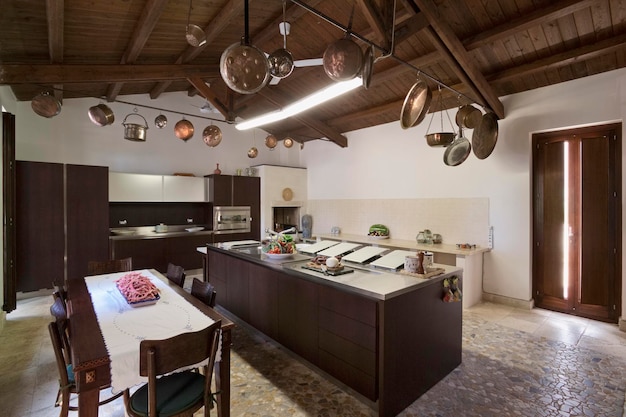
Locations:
(389, 347)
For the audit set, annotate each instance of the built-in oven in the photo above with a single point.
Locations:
(231, 219)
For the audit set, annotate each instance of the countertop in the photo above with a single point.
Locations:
(368, 281)
(404, 244)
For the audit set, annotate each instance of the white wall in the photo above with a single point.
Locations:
(383, 162)
(386, 162)
(71, 137)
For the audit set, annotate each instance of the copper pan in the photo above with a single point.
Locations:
(368, 67)
(416, 104)
(46, 105)
(468, 117)
(485, 135)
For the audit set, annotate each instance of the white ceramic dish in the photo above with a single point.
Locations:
(194, 229)
(378, 237)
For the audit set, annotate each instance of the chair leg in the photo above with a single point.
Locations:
(65, 403)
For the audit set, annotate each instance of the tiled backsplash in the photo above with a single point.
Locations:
(458, 220)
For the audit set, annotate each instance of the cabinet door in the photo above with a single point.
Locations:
(221, 190)
(263, 300)
(183, 251)
(298, 316)
(135, 187)
(146, 253)
(237, 283)
(182, 188)
(39, 225)
(87, 208)
(216, 272)
(247, 192)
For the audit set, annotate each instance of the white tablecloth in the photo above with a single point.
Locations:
(123, 327)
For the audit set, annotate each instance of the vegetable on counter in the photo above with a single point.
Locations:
(378, 230)
(279, 244)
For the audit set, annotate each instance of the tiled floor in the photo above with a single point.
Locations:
(515, 363)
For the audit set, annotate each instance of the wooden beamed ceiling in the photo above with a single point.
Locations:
(479, 50)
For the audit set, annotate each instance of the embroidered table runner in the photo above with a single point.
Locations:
(124, 326)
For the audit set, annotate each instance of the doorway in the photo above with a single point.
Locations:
(577, 221)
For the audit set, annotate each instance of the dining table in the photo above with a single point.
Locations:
(106, 330)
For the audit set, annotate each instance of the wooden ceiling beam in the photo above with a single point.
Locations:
(373, 17)
(461, 55)
(14, 74)
(55, 14)
(149, 18)
(279, 101)
(210, 95)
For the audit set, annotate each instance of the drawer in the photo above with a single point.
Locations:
(350, 305)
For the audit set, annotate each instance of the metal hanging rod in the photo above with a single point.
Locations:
(390, 54)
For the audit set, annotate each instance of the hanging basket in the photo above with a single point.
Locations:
(441, 138)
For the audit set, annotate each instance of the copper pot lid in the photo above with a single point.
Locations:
(183, 129)
(271, 141)
(212, 136)
(46, 105)
(244, 68)
(343, 60)
(416, 105)
(485, 135)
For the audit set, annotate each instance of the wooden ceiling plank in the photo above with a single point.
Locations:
(15, 74)
(461, 55)
(149, 17)
(537, 17)
(208, 94)
(587, 52)
(372, 16)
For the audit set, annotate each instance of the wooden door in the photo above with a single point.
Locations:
(577, 250)
(9, 210)
(39, 225)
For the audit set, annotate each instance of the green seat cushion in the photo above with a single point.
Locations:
(175, 392)
(70, 374)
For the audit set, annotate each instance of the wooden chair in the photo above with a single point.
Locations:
(176, 274)
(175, 393)
(204, 291)
(58, 310)
(107, 267)
(67, 384)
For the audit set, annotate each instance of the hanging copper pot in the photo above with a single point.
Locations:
(46, 105)
(253, 152)
(343, 59)
(485, 135)
(212, 136)
(468, 116)
(101, 115)
(288, 142)
(183, 130)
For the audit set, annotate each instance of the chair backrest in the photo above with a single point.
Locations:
(204, 291)
(58, 311)
(176, 274)
(59, 354)
(159, 357)
(110, 266)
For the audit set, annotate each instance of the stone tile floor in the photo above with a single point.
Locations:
(515, 363)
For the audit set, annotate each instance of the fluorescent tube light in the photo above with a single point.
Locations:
(322, 96)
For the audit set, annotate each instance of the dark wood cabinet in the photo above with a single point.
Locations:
(389, 350)
(236, 190)
(157, 253)
(62, 213)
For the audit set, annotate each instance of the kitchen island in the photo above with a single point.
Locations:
(387, 335)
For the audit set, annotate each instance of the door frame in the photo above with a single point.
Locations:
(616, 128)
